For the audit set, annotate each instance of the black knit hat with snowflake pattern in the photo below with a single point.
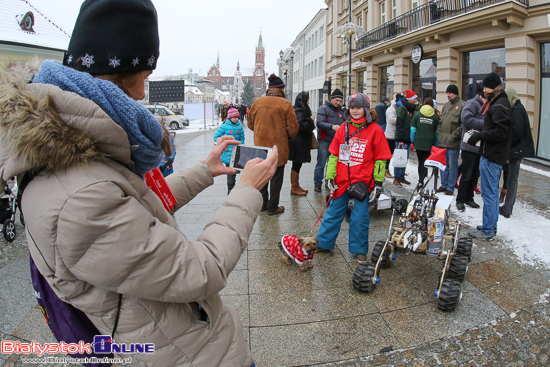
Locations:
(114, 36)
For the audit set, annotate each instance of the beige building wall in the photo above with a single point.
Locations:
(518, 29)
(11, 53)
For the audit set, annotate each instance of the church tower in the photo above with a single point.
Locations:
(258, 79)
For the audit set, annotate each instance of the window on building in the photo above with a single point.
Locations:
(386, 81)
(543, 141)
(359, 20)
(321, 65)
(477, 64)
(316, 71)
(361, 86)
(425, 79)
(382, 12)
(321, 34)
(393, 9)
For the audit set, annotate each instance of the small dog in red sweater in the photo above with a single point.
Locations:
(301, 249)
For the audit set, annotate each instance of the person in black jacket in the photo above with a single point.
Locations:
(300, 146)
(521, 146)
(329, 118)
(495, 147)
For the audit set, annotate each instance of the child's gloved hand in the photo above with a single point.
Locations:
(331, 185)
(376, 190)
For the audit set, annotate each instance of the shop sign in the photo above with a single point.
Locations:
(417, 53)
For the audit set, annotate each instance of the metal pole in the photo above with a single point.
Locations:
(204, 108)
(349, 51)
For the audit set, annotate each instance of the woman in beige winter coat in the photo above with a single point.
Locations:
(94, 228)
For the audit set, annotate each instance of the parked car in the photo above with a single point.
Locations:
(172, 120)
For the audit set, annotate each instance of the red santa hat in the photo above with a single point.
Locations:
(436, 158)
(409, 94)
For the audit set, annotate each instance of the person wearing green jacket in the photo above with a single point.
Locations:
(449, 134)
(424, 135)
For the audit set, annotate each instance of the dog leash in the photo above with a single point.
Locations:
(323, 212)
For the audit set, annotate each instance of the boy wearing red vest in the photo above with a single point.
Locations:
(359, 152)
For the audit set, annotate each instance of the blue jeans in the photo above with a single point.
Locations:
(358, 225)
(490, 176)
(322, 158)
(448, 177)
(400, 172)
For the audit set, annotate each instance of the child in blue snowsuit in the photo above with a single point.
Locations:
(233, 127)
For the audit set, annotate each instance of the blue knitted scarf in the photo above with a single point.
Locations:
(142, 128)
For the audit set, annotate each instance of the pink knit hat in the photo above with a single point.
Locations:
(232, 113)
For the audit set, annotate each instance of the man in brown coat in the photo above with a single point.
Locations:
(274, 122)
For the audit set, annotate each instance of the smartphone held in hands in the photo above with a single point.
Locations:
(241, 154)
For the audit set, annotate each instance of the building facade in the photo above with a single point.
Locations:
(25, 33)
(309, 60)
(286, 72)
(427, 45)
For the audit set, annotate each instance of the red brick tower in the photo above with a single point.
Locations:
(258, 79)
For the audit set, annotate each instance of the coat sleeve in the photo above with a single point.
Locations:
(322, 120)
(470, 118)
(400, 124)
(251, 117)
(518, 128)
(188, 182)
(292, 126)
(219, 133)
(306, 125)
(501, 117)
(112, 241)
(457, 132)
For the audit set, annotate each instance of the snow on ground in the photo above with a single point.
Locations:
(525, 232)
(199, 125)
(535, 170)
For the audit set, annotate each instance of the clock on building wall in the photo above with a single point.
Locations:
(416, 53)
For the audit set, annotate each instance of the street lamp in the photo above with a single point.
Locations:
(286, 61)
(347, 33)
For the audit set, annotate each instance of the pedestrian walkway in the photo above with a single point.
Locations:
(317, 318)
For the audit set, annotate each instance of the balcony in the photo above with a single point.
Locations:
(425, 15)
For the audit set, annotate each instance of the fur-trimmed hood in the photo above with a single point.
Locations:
(45, 128)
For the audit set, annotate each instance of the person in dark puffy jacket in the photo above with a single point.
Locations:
(472, 119)
(299, 147)
(329, 118)
(521, 146)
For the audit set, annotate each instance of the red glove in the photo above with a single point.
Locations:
(412, 147)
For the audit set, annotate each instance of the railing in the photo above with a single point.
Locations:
(422, 16)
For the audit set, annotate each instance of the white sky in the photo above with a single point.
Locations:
(192, 32)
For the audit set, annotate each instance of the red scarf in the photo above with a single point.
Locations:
(491, 98)
(360, 121)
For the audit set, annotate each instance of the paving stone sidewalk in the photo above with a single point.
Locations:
(317, 318)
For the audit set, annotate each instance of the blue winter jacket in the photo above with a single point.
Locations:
(234, 129)
(328, 115)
